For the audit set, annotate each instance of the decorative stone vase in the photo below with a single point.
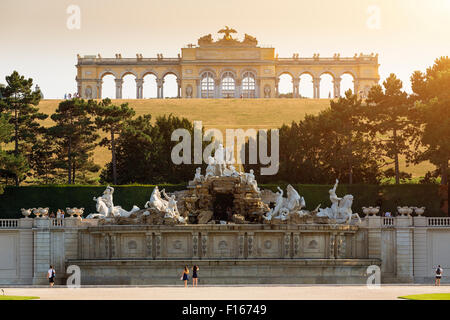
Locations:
(419, 211)
(44, 212)
(37, 212)
(70, 211)
(374, 210)
(366, 211)
(26, 212)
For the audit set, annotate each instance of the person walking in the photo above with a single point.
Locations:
(51, 276)
(185, 276)
(439, 273)
(195, 276)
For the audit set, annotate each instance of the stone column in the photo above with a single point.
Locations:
(217, 90)
(316, 86)
(295, 88)
(99, 88)
(257, 88)
(160, 85)
(139, 88)
(356, 86)
(119, 83)
(374, 236)
(250, 245)
(296, 244)
(199, 89)
(238, 88)
(337, 87)
(420, 249)
(148, 245)
(204, 244)
(157, 245)
(179, 88)
(287, 245)
(113, 238)
(277, 89)
(195, 245)
(332, 246)
(80, 88)
(241, 239)
(42, 253)
(341, 246)
(404, 248)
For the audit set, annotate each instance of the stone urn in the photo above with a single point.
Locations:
(419, 211)
(404, 211)
(366, 210)
(374, 210)
(71, 211)
(37, 212)
(79, 212)
(44, 212)
(26, 212)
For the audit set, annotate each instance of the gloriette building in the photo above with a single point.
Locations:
(226, 68)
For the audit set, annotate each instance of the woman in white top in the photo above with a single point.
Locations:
(51, 276)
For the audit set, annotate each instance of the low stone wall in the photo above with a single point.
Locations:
(253, 271)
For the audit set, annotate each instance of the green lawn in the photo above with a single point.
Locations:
(17, 298)
(430, 296)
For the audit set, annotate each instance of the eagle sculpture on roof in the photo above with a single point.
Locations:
(227, 32)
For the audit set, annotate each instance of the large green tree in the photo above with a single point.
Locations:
(75, 134)
(18, 100)
(111, 119)
(387, 115)
(432, 114)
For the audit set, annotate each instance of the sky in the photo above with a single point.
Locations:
(37, 41)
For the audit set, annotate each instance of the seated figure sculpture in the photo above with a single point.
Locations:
(284, 207)
(172, 209)
(198, 178)
(156, 201)
(105, 206)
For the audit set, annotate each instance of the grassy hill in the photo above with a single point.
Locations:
(226, 113)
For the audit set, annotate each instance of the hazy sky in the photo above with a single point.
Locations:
(35, 39)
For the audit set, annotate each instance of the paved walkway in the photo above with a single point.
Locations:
(270, 292)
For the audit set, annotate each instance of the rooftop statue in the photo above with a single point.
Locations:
(227, 30)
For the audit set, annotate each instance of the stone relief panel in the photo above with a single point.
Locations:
(177, 245)
(313, 245)
(131, 246)
(223, 245)
(269, 245)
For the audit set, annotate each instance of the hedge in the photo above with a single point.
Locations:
(388, 197)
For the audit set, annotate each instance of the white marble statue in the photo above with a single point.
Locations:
(284, 207)
(219, 159)
(250, 180)
(211, 169)
(172, 209)
(105, 206)
(198, 175)
(341, 208)
(156, 201)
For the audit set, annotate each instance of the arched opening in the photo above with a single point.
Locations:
(228, 87)
(170, 86)
(285, 86)
(248, 85)
(326, 86)
(207, 85)
(347, 82)
(306, 86)
(149, 87)
(129, 86)
(108, 86)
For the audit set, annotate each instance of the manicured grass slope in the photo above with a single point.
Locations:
(17, 298)
(429, 296)
(226, 113)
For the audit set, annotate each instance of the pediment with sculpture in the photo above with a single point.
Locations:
(227, 40)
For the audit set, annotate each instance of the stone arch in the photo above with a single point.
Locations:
(107, 72)
(347, 82)
(129, 85)
(128, 72)
(205, 70)
(228, 83)
(285, 71)
(248, 85)
(147, 72)
(172, 72)
(250, 70)
(285, 86)
(327, 84)
(107, 86)
(228, 70)
(207, 84)
(306, 84)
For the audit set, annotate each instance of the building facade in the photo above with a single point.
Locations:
(226, 68)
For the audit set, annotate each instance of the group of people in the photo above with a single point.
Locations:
(185, 275)
(59, 214)
(68, 96)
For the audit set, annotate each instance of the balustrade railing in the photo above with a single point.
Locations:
(388, 221)
(9, 223)
(438, 222)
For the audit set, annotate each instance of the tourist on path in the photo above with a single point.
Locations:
(439, 273)
(51, 276)
(185, 276)
(195, 275)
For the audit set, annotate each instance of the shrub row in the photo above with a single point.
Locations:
(388, 197)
